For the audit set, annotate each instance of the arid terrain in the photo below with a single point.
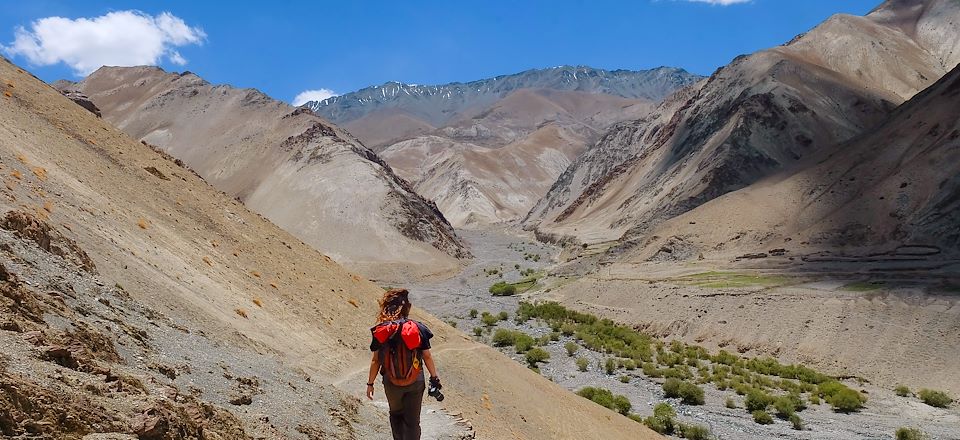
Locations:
(487, 150)
(284, 163)
(156, 300)
(817, 323)
(772, 251)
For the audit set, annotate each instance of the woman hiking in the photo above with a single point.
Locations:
(401, 347)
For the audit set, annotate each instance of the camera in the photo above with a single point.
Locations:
(435, 393)
(434, 389)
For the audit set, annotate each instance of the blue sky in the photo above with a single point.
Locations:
(284, 48)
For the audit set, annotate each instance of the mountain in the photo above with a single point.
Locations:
(438, 105)
(760, 115)
(487, 150)
(139, 301)
(890, 193)
(304, 174)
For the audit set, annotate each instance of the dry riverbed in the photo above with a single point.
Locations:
(452, 300)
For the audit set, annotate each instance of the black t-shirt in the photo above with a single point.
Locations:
(425, 335)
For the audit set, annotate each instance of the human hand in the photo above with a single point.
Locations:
(370, 392)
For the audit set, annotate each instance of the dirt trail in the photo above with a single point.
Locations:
(437, 421)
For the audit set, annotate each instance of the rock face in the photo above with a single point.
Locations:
(760, 115)
(303, 173)
(487, 150)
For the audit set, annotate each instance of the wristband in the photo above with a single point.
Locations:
(369, 384)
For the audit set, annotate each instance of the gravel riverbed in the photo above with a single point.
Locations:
(452, 299)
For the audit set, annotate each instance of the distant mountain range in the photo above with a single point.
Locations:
(438, 104)
(485, 151)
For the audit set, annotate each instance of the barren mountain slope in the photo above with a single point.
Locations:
(302, 173)
(892, 191)
(760, 114)
(538, 119)
(494, 163)
(206, 296)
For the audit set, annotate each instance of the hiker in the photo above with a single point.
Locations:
(401, 347)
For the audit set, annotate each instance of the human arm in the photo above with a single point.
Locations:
(372, 376)
(428, 361)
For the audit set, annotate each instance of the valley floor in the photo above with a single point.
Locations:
(892, 330)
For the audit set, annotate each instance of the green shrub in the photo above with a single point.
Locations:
(610, 365)
(757, 400)
(841, 397)
(662, 419)
(543, 340)
(503, 316)
(796, 422)
(688, 393)
(568, 328)
(695, 432)
(571, 348)
(902, 391)
(523, 342)
(488, 319)
(938, 399)
(625, 379)
(582, 363)
(904, 433)
(605, 398)
(732, 404)
(671, 388)
(785, 407)
(477, 331)
(502, 288)
(691, 394)
(846, 400)
(473, 313)
(504, 338)
(536, 355)
(554, 336)
(762, 417)
(814, 399)
(621, 404)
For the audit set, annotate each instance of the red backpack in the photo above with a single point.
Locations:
(400, 348)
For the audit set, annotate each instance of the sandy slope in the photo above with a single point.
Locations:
(180, 247)
(307, 176)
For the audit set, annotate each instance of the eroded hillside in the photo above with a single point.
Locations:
(165, 308)
(304, 174)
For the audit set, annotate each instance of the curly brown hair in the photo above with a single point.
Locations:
(394, 305)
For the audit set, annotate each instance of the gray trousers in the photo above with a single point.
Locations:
(405, 405)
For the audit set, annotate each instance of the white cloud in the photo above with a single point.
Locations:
(313, 95)
(122, 38)
(721, 2)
